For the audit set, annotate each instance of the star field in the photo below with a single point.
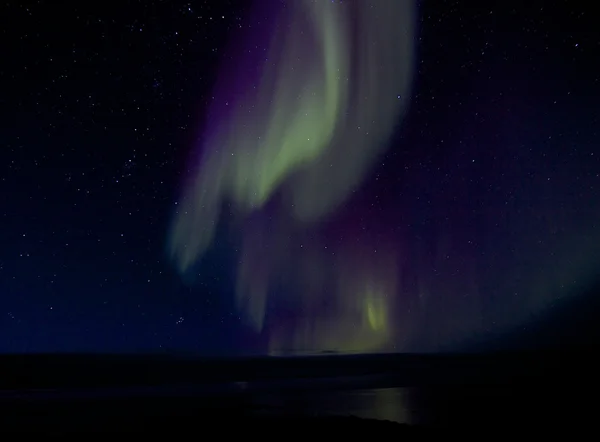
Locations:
(100, 105)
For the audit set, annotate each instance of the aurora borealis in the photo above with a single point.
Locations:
(291, 147)
(317, 118)
(250, 177)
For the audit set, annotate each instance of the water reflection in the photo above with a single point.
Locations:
(390, 404)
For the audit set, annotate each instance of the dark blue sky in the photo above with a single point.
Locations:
(100, 106)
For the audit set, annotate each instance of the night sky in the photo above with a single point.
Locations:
(487, 193)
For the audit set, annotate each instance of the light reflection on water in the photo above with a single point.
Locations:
(390, 404)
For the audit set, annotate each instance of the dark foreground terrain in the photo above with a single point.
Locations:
(341, 393)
